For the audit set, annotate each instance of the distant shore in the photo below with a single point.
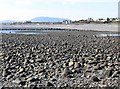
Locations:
(95, 27)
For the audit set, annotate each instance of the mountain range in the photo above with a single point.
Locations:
(39, 19)
(47, 19)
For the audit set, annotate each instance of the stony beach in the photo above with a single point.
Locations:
(61, 59)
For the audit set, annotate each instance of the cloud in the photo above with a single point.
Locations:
(30, 2)
(76, 1)
(24, 2)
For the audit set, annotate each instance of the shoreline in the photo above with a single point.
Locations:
(93, 27)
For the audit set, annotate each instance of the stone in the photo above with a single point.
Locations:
(39, 60)
(109, 73)
(21, 70)
(65, 72)
(53, 79)
(71, 63)
(4, 73)
(22, 83)
(9, 77)
(49, 84)
(17, 81)
(95, 79)
(76, 65)
(115, 74)
(1, 54)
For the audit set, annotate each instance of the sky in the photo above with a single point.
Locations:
(70, 9)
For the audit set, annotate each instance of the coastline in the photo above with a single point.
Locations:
(94, 27)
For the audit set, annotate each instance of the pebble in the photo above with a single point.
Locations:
(115, 74)
(39, 60)
(76, 65)
(17, 81)
(71, 63)
(65, 72)
(95, 79)
(49, 84)
(61, 59)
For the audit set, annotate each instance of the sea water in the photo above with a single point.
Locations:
(29, 31)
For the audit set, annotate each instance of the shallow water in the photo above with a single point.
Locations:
(105, 35)
(29, 31)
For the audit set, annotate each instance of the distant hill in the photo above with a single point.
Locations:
(7, 21)
(47, 19)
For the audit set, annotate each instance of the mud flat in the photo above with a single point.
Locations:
(61, 59)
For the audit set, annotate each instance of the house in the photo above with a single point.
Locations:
(67, 21)
(90, 20)
(101, 20)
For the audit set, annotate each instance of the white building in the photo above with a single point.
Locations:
(67, 21)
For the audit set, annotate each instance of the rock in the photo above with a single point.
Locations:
(115, 74)
(32, 61)
(39, 60)
(21, 70)
(92, 62)
(108, 58)
(98, 67)
(8, 58)
(71, 63)
(65, 72)
(1, 55)
(64, 65)
(17, 81)
(102, 86)
(25, 61)
(76, 65)
(49, 84)
(95, 79)
(9, 77)
(22, 83)
(4, 73)
(109, 72)
(53, 79)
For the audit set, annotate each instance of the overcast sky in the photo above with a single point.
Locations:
(71, 9)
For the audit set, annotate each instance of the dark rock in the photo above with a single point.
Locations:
(49, 84)
(109, 73)
(95, 79)
(22, 83)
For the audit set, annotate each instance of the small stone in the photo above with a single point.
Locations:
(95, 79)
(22, 83)
(39, 60)
(4, 73)
(76, 65)
(64, 65)
(115, 74)
(109, 73)
(53, 79)
(49, 84)
(102, 86)
(8, 58)
(9, 76)
(65, 72)
(92, 62)
(71, 63)
(21, 70)
(17, 81)
(1, 54)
